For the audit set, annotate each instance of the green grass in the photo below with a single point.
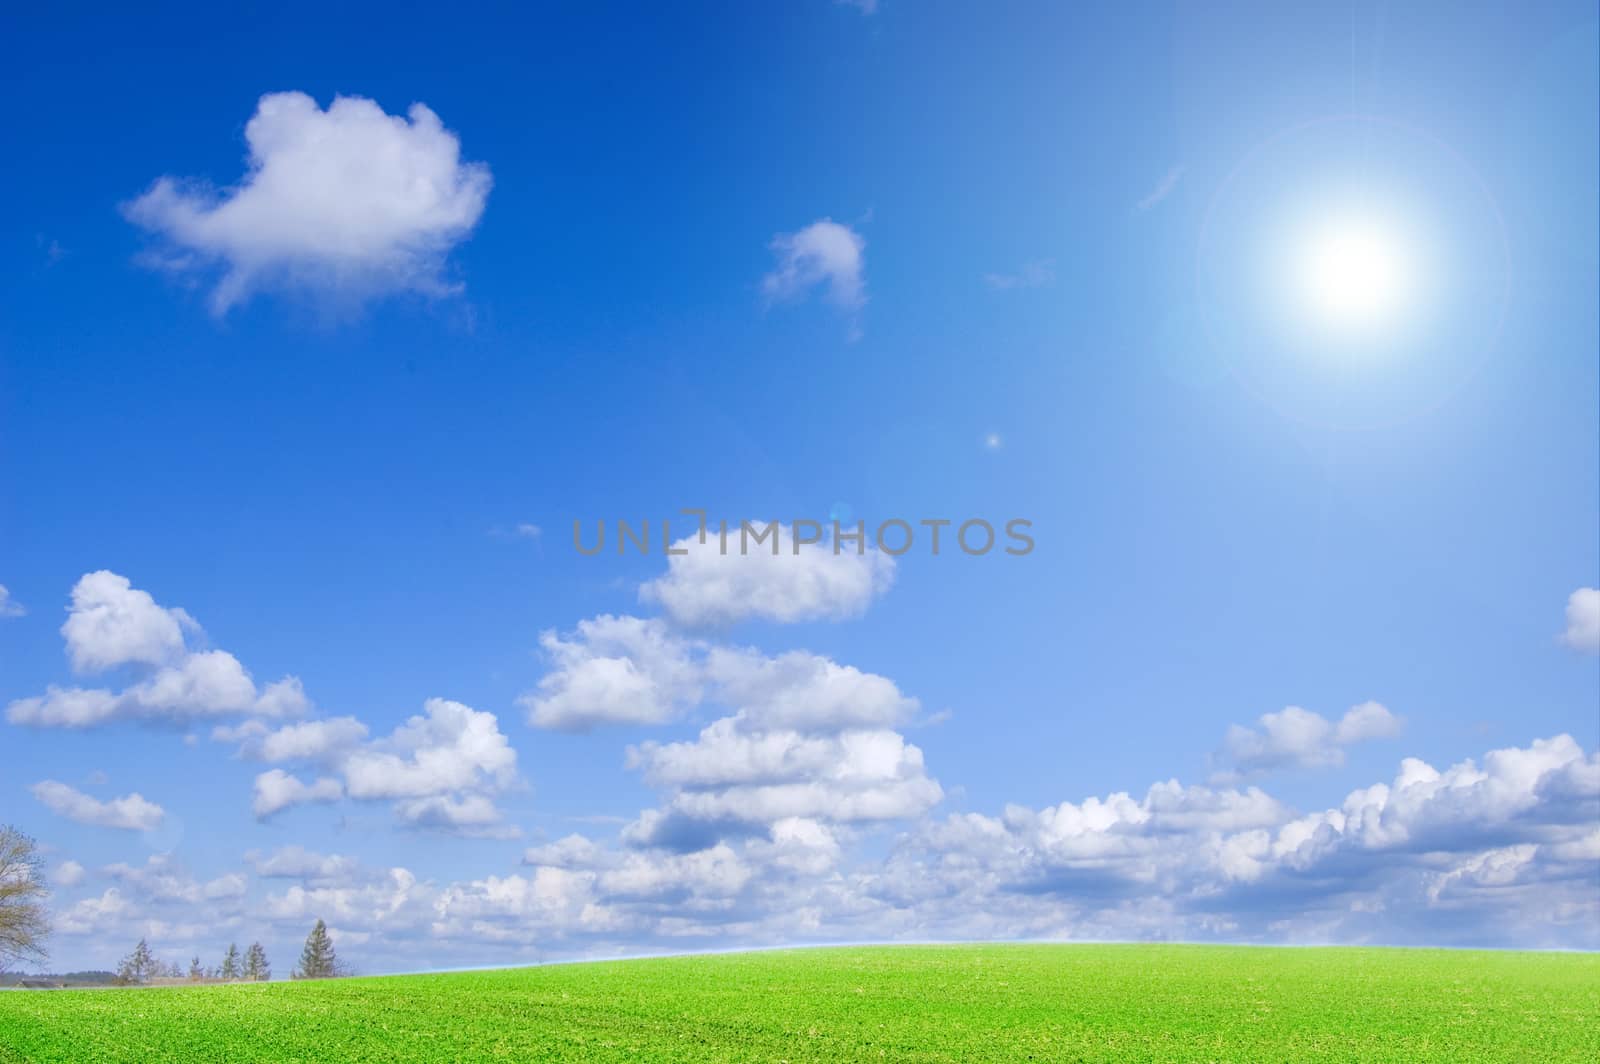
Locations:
(907, 1003)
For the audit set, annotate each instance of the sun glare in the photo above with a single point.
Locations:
(1354, 274)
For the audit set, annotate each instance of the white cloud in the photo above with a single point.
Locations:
(1298, 738)
(796, 582)
(110, 624)
(276, 790)
(805, 691)
(471, 815)
(1425, 858)
(129, 813)
(451, 747)
(866, 7)
(614, 670)
(162, 879)
(439, 768)
(823, 255)
(9, 607)
(1583, 621)
(312, 740)
(1039, 273)
(1502, 853)
(1164, 188)
(809, 739)
(296, 862)
(67, 874)
(349, 202)
(1498, 851)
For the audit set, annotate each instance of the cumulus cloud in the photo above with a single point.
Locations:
(111, 624)
(276, 790)
(297, 862)
(347, 202)
(792, 580)
(824, 255)
(1501, 850)
(9, 607)
(614, 670)
(1298, 738)
(67, 874)
(439, 769)
(321, 740)
(162, 879)
(129, 813)
(808, 739)
(1583, 621)
(804, 691)
(729, 774)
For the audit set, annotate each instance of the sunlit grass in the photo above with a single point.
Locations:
(911, 1003)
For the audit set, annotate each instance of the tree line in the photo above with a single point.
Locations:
(318, 960)
(24, 926)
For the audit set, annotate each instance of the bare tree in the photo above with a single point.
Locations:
(23, 923)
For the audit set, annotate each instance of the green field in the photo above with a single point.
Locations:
(906, 1003)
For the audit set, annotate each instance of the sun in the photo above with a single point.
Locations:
(1354, 273)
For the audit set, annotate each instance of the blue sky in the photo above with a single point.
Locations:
(781, 263)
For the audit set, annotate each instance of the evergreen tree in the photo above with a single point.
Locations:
(317, 960)
(138, 966)
(256, 968)
(230, 963)
(196, 973)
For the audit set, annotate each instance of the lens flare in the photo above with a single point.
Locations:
(1354, 273)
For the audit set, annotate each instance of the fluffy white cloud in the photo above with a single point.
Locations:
(1583, 621)
(9, 607)
(614, 670)
(276, 790)
(809, 740)
(348, 201)
(297, 862)
(162, 879)
(129, 813)
(795, 582)
(624, 670)
(765, 775)
(452, 747)
(321, 740)
(805, 691)
(110, 624)
(1500, 851)
(67, 874)
(440, 768)
(1299, 738)
(1423, 858)
(824, 254)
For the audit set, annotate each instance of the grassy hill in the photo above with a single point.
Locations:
(905, 1003)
